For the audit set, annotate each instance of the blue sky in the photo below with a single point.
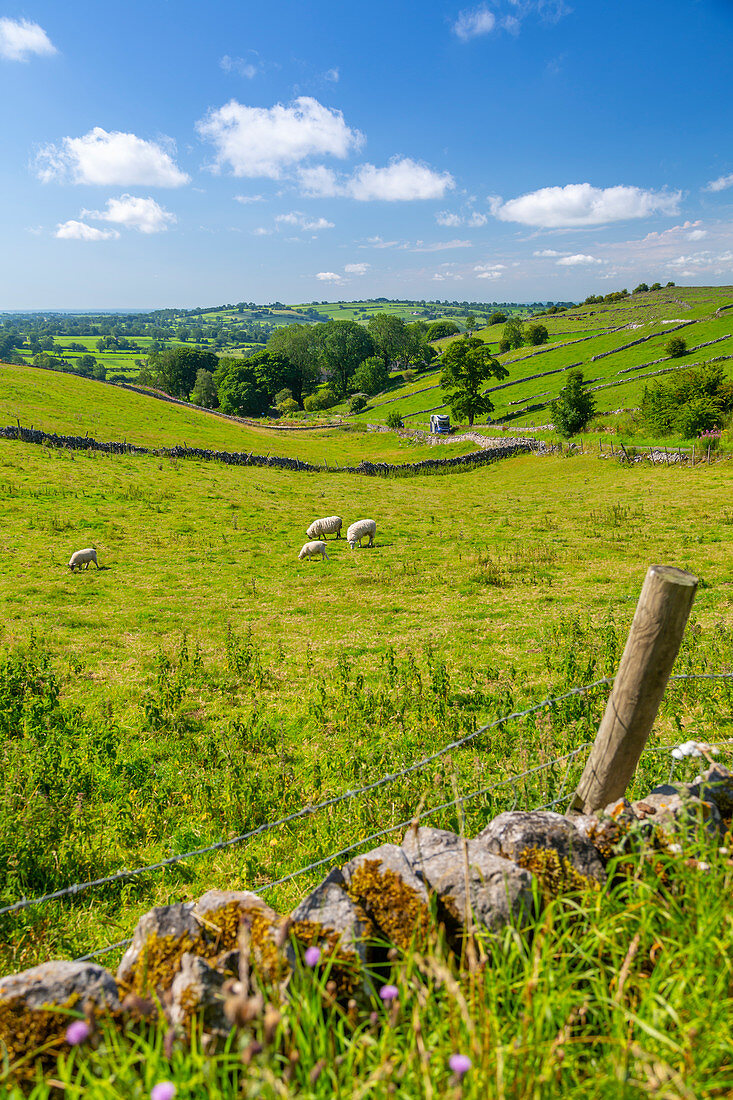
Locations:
(173, 153)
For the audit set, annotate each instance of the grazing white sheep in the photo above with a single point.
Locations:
(83, 557)
(358, 530)
(329, 525)
(312, 550)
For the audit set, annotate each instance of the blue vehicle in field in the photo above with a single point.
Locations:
(439, 424)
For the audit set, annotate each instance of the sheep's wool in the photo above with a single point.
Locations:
(329, 525)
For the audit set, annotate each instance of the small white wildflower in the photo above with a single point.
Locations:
(702, 866)
(675, 848)
(723, 851)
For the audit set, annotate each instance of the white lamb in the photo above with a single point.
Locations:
(329, 525)
(312, 550)
(83, 557)
(358, 530)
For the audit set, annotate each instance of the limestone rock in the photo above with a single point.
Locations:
(221, 912)
(717, 786)
(162, 936)
(678, 813)
(472, 884)
(197, 993)
(330, 920)
(35, 1004)
(513, 833)
(423, 842)
(207, 928)
(384, 885)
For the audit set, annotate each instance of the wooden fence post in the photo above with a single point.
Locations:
(653, 643)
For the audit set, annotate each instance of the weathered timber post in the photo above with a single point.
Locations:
(653, 643)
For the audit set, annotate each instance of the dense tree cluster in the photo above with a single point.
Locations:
(691, 402)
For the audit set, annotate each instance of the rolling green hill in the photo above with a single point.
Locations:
(594, 338)
(70, 405)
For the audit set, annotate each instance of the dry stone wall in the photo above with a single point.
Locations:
(210, 960)
(242, 458)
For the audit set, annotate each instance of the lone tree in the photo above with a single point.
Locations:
(512, 336)
(676, 347)
(439, 329)
(574, 406)
(344, 345)
(467, 366)
(536, 334)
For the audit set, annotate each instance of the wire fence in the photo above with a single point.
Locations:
(514, 781)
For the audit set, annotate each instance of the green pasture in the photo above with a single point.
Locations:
(524, 362)
(64, 403)
(206, 680)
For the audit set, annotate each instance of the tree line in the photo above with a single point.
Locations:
(291, 370)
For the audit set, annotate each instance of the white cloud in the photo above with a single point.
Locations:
(451, 221)
(266, 141)
(379, 242)
(403, 180)
(260, 231)
(80, 231)
(328, 277)
(319, 182)
(302, 221)
(246, 199)
(577, 259)
(580, 204)
(473, 22)
(332, 76)
(19, 39)
(549, 252)
(489, 271)
(109, 160)
(697, 235)
(356, 269)
(474, 219)
(722, 183)
(134, 213)
(440, 246)
(240, 65)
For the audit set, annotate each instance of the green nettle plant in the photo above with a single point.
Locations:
(574, 406)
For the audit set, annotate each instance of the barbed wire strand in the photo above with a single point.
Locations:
(305, 811)
(513, 780)
(428, 813)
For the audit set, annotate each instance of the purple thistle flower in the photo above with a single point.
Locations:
(77, 1032)
(164, 1090)
(460, 1064)
(312, 956)
(389, 993)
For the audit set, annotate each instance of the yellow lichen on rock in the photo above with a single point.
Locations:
(555, 874)
(398, 910)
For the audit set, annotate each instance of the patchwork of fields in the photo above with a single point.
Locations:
(595, 339)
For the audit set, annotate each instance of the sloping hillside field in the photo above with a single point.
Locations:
(205, 682)
(595, 339)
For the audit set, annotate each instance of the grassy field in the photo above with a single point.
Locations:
(620, 374)
(206, 680)
(64, 403)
